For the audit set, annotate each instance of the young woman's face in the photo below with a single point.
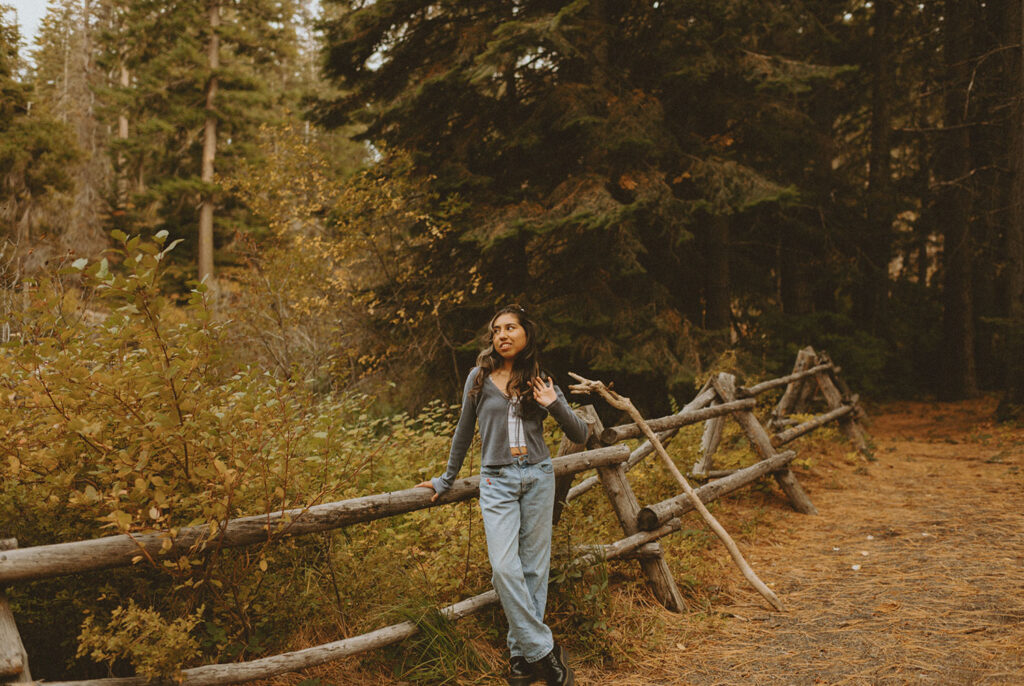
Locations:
(508, 336)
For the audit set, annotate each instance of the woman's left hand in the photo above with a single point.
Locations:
(544, 393)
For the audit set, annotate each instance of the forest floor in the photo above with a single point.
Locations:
(911, 573)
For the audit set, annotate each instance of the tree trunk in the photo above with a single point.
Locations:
(1012, 404)
(1014, 274)
(122, 135)
(872, 298)
(954, 202)
(209, 149)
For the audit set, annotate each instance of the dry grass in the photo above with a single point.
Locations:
(934, 527)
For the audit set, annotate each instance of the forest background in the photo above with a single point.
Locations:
(246, 249)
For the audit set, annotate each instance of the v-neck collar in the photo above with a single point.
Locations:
(497, 388)
(507, 397)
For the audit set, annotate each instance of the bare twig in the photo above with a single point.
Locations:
(619, 402)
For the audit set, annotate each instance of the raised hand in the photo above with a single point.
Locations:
(544, 393)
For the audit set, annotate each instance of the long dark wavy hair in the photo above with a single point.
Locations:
(525, 367)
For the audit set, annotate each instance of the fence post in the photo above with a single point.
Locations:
(624, 503)
(13, 658)
(563, 483)
(709, 441)
(762, 443)
(834, 399)
(794, 393)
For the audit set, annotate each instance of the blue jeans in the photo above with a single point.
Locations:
(517, 501)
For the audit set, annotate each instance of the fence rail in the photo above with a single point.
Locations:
(720, 399)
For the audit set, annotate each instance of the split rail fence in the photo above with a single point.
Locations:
(642, 526)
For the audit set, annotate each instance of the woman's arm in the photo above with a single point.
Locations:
(461, 440)
(551, 399)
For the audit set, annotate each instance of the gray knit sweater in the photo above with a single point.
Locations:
(491, 411)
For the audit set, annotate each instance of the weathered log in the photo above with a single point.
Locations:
(709, 441)
(648, 551)
(711, 475)
(233, 673)
(805, 359)
(13, 658)
(762, 443)
(794, 491)
(615, 434)
(706, 395)
(834, 399)
(263, 668)
(46, 561)
(623, 501)
(746, 392)
(623, 403)
(794, 432)
(653, 516)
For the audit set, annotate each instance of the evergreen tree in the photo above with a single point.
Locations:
(165, 52)
(66, 79)
(35, 151)
(582, 145)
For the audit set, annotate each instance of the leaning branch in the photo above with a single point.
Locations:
(619, 402)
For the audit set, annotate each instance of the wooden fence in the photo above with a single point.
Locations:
(642, 526)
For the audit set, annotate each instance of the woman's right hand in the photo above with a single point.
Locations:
(427, 484)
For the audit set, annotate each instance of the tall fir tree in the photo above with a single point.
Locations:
(35, 151)
(583, 144)
(174, 100)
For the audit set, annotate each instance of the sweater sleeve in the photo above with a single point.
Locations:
(575, 429)
(462, 438)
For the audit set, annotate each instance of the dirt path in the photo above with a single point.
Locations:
(912, 574)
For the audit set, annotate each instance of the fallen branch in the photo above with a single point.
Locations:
(585, 386)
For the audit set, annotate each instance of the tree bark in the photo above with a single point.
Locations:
(653, 516)
(209, 148)
(622, 432)
(954, 203)
(1012, 403)
(877, 248)
(1015, 230)
(13, 658)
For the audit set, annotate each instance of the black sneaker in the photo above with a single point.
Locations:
(520, 672)
(554, 668)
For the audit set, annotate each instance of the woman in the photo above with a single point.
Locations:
(506, 395)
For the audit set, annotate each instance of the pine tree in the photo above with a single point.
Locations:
(66, 79)
(585, 142)
(180, 101)
(35, 151)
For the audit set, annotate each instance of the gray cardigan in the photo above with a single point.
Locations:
(491, 410)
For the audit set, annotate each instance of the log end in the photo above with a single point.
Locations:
(608, 436)
(647, 520)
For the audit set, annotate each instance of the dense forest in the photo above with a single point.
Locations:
(314, 209)
(658, 182)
